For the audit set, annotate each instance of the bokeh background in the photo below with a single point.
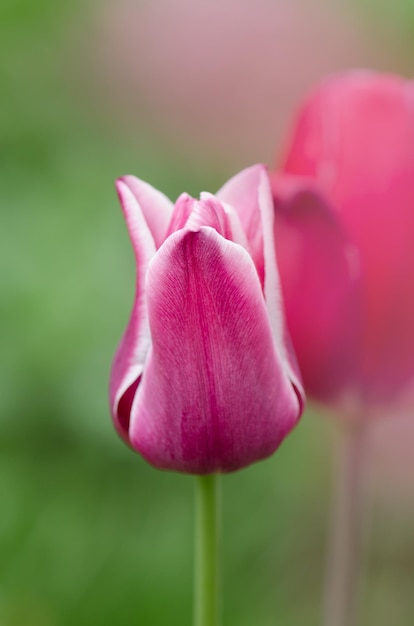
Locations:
(183, 93)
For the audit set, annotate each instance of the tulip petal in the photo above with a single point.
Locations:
(155, 206)
(208, 211)
(215, 394)
(272, 286)
(321, 280)
(181, 213)
(241, 193)
(250, 192)
(133, 348)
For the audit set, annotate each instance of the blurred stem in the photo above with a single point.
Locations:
(344, 550)
(207, 545)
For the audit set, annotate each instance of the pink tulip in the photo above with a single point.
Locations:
(204, 379)
(347, 262)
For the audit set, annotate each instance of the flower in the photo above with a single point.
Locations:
(344, 198)
(204, 379)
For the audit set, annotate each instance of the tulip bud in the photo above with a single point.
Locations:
(353, 142)
(204, 379)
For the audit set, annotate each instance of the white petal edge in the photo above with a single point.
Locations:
(134, 346)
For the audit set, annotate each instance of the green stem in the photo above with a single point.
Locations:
(207, 540)
(344, 555)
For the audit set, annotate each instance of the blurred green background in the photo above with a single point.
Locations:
(89, 534)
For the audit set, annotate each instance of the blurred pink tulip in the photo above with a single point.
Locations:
(348, 275)
(204, 379)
